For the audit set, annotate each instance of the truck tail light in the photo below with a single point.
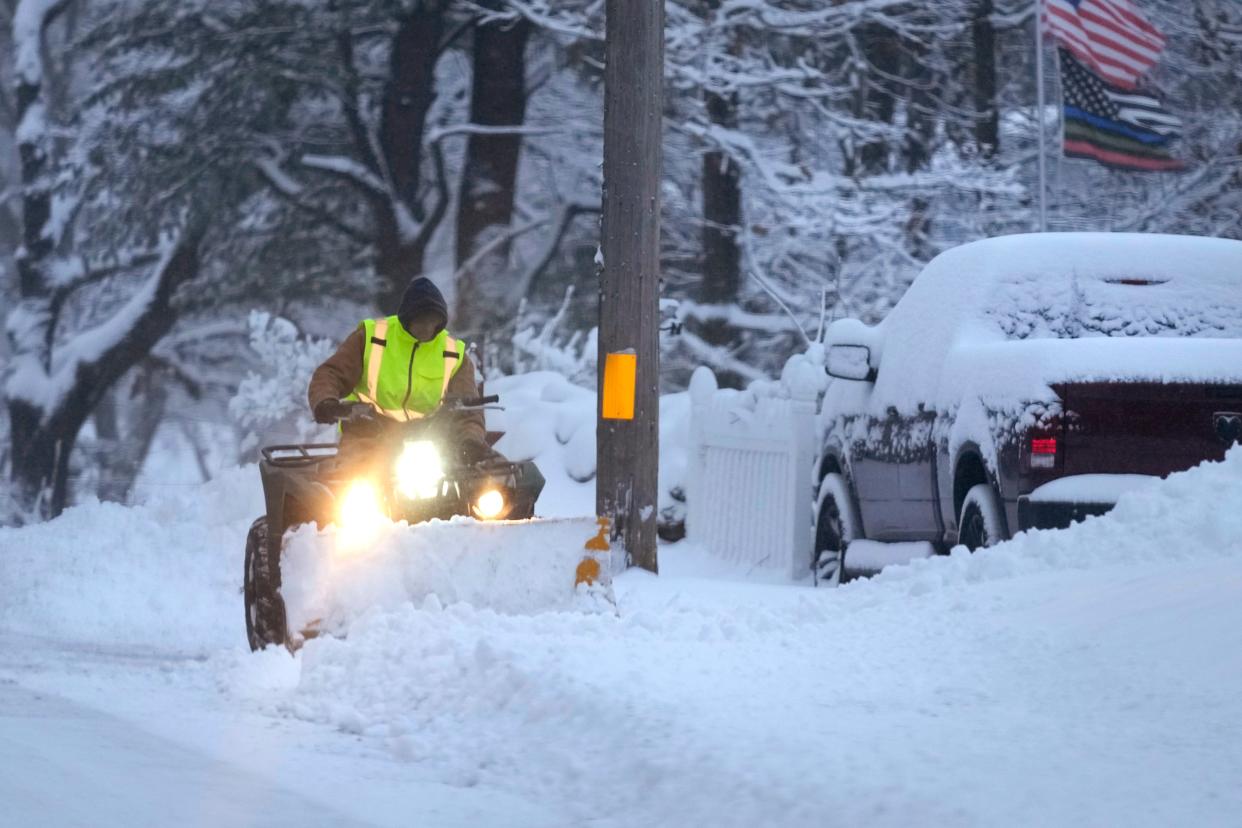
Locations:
(1043, 452)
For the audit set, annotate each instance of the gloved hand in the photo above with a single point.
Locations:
(329, 411)
(475, 450)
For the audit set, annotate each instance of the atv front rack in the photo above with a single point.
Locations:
(299, 454)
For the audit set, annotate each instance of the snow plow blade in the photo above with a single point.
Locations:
(519, 567)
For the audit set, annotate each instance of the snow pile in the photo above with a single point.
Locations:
(1098, 662)
(1191, 515)
(550, 420)
(165, 574)
(708, 701)
(512, 567)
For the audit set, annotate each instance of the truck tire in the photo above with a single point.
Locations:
(982, 522)
(836, 524)
(265, 609)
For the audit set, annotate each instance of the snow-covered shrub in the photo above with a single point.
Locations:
(543, 345)
(273, 397)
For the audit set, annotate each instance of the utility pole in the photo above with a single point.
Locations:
(628, 438)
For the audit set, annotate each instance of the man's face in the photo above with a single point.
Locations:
(423, 326)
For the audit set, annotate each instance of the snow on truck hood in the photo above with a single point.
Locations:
(1007, 317)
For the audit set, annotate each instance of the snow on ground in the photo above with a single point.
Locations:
(1080, 677)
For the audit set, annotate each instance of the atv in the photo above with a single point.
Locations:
(379, 469)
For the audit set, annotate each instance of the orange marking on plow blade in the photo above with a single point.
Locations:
(588, 571)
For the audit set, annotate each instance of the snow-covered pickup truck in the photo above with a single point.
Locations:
(1026, 381)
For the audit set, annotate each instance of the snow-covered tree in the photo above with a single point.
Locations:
(57, 375)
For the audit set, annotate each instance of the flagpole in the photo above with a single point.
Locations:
(1039, 118)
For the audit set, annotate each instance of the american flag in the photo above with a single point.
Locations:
(1110, 36)
(1125, 131)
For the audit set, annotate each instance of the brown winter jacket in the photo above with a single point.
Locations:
(339, 374)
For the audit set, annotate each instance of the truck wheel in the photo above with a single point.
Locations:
(265, 609)
(836, 524)
(982, 522)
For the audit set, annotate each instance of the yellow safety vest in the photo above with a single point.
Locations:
(402, 378)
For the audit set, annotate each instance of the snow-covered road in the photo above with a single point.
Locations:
(105, 736)
(1086, 677)
(69, 764)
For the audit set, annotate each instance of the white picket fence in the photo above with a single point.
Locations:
(749, 477)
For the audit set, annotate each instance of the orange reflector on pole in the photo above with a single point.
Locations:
(620, 379)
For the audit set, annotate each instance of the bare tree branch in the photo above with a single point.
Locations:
(291, 192)
(429, 225)
(568, 212)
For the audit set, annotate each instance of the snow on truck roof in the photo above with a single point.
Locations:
(1006, 317)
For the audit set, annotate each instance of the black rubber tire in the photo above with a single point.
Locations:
(982, 522)
(835, 526)
(265, 609)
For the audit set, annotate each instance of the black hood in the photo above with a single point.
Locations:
(421, 296)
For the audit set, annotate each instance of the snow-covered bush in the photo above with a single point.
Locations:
(545, 345)
(273, 397)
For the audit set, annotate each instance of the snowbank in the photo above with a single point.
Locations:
(1191, 515)
(550, 420)
(1098, 663)
(718, 701)
(165, 574)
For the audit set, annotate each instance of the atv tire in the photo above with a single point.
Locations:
(265, 609)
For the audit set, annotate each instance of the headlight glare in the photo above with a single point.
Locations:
(489, 505)
(419, 470)
(359, 515)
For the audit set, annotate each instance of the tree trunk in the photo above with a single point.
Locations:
(408, 97)
(39, 460)
(876, 102)
(722, 219)
(489, 174)
(125, 437)
(48, 403)
(44, 428)
(987, 113)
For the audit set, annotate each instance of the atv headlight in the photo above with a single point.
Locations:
(489, 505)
(359, 515)
(419, 470)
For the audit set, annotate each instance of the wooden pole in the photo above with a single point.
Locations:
(628, 449)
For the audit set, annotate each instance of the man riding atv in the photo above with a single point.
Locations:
(403, 366)
(413, 448)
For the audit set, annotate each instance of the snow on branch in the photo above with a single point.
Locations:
(544, 347)
(105, 351)
(75, 272)
(30, 19)
(441, 133)
(281, 181)
(292, 192)
(836, 19)
(575, 26)
(348, 169)
(719, 359)
(736, 317)
(275, 395)
(494, 244)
